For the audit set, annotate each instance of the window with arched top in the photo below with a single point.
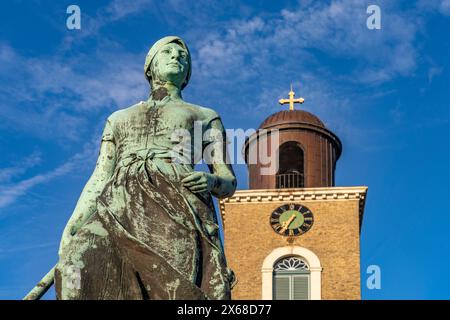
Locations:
(291, 279)
(279, 259)
(291, 166)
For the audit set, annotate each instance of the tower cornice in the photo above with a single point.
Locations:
(358, 193)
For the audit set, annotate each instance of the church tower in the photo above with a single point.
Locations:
(294, 235)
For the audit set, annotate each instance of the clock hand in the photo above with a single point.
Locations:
(284, 224)
(288, 222)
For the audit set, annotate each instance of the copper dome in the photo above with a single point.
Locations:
(315, 164)
(291, 116)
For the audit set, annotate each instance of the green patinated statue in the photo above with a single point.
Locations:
(145, 226)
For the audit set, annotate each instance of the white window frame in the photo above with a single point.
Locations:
(310, 258)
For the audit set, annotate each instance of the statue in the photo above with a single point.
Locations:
(145, 226)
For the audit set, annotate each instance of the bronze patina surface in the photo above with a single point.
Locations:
(145, 226)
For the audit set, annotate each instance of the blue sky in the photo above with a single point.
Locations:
(385, 93)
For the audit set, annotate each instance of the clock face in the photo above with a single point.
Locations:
(291, 220)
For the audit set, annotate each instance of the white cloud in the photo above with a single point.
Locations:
(244, 53)
(8, 250)
(119, 9)
(10, 192)
(94, 81)
(445, 7)
(115, 11)
(433, 72)
(324, 48)
(245, 64)
(439, 6)
(57, 95)
(6, 174)
(54, 96)
(337, 29)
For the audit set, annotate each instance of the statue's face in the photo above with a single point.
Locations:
(171, 64)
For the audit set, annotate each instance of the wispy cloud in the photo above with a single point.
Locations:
(433, 72)
(337, 29)
(119, 9)
(249, 62)
(60, 94)
(323, 47)
(10, 192)
(9, 250)
(57, 95)
(445, 7)
(259, 51)
(114, 11)
(439, 6)
(6, 174)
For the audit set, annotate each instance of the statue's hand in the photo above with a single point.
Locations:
(199, 181)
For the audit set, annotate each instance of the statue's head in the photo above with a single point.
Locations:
(168, 60)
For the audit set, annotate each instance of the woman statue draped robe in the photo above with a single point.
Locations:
(145, 224)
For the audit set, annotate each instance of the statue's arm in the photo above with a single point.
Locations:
(86, 204)
(224, 181)
(216, 157)
(221, 182)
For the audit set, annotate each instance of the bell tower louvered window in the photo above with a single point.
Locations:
(291, 279)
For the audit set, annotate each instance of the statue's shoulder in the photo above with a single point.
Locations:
(125, 113)
(204, 113)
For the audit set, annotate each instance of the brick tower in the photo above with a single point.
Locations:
(293, 235)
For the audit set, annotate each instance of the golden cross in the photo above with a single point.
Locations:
(291, 100)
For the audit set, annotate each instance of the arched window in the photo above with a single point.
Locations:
(291, 166)
(280, 259)
(291, 279)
